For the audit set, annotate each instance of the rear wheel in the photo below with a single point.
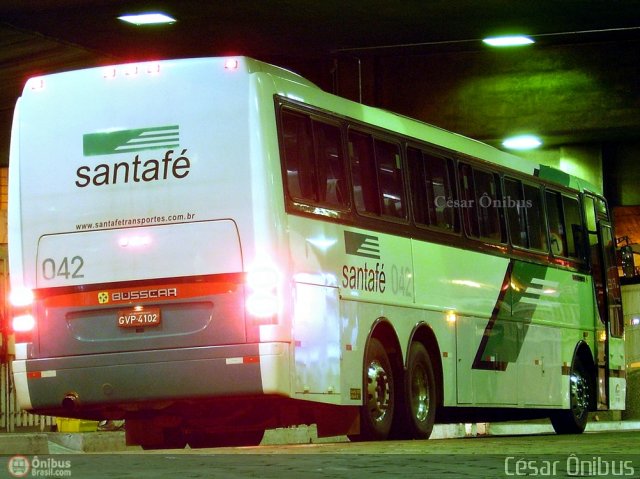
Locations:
(376, 414)
(421, 395)
(574, 419)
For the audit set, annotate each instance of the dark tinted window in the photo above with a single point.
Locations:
(298, 156)
(516, 212)
(536, 226)
(481, 205)
(363, 173)
(332, 185)
(390, 178)
(573, 227)
(432, 190)
(313, 160)
(557, 234)
(376, 170)
(565, 225)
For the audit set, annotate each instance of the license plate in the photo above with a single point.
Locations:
(139, 318)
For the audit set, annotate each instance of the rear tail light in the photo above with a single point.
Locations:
(131, 70)
(36, 83)
(263, 294)
(23, 321)
(263, 306)
(231, 64)
(21, 297)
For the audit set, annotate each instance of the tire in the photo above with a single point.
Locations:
(574, 419)
(420, 394)
(376, 414)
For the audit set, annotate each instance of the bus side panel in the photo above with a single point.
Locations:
(545, 301)
(316, 330)
(468, 285)
(16, 260)
(540, 364)
(617, 376)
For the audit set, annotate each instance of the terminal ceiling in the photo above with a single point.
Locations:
(313, 37)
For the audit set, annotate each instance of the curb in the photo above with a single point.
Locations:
(27, 443)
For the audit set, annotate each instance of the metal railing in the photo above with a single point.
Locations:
(11, 417)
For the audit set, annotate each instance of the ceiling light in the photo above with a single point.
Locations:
(147, 18)
(508, 41)
(522, 142)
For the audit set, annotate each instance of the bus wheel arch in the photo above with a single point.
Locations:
(382, 382)
(584, 355)
(582, 393)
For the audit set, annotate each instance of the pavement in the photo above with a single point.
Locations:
(34, 443)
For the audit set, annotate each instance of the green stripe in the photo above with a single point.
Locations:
(120, 141)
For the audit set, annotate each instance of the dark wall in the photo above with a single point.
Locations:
(622, 180)
(579, 95)
(488, 94)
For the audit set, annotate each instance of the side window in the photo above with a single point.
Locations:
(590, 213)
(535, 217)
(565, 226)
(390, 178)
(298, 156)
(313, 160)
(573, 227)
(417, 178)
(467, 200)
(557, 235)
(488, 211)
(440, 181)
(601, 209)
(376, 171)
(516, 212)
(332, 184)
(432, 190)
(363, 172)
(481, 205)
(525, 215)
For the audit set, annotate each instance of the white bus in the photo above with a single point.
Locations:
(207, 248)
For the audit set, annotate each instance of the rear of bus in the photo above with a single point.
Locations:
(141, 236)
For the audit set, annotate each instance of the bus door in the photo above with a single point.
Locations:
(607, 289)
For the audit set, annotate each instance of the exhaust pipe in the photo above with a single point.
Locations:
(71, 402)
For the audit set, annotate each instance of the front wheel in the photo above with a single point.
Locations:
(376, 414)
(574, 419)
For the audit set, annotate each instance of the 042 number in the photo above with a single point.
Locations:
(67, 268)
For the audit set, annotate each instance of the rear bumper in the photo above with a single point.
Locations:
(130, 379)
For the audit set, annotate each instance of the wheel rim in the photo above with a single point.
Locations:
(579, 394)
(420, 401)
(378, 390)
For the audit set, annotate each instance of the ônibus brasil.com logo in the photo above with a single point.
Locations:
(22, 466)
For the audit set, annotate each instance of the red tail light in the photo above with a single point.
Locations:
(263, 295)
(23, 322)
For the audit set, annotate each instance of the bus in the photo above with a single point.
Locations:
(207, 248)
